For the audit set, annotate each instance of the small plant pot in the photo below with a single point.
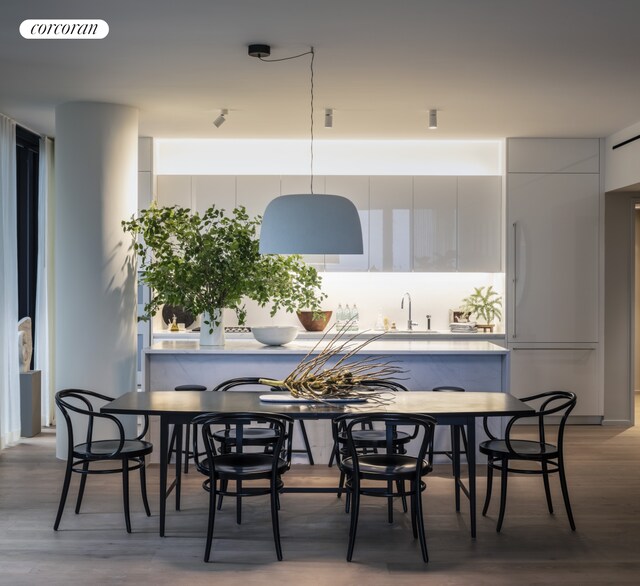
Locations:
(314, 325)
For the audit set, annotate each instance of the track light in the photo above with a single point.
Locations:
(433, 119)
(220, 120)
(328, 117)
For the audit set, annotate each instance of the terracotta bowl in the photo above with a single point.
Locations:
(314, 325)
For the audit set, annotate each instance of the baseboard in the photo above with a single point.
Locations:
(617, 422)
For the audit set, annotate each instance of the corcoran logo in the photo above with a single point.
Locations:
(64, 29)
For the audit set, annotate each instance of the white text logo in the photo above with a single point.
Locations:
(64, 29)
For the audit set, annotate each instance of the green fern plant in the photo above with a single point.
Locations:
(485, 305)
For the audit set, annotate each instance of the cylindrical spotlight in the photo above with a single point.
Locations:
(220, 120)
(433, 119)
(328, 117)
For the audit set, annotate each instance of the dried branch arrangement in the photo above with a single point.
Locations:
(346, 379)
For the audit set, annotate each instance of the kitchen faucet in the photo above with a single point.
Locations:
(410, 322)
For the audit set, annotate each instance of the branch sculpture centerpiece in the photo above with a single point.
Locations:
(336, 372)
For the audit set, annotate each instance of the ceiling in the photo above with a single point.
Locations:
(492, 68)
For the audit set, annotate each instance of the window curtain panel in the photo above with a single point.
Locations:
(42, 343)
(9, 356)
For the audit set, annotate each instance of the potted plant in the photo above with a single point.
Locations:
(206, 263)
(485, 305)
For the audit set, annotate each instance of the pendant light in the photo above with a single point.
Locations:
(308, 223)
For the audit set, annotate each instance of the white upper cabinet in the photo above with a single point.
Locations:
(390, 203)
(218, 190)
(254, 192)
(480, 221)
(174, 190)
(434, 224)
(356, 189)
(553, 223)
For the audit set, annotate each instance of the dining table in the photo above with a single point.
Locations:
(178, 408)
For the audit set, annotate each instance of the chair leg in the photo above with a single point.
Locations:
(274, 519)
(212, 518)
(487, 498)
(403, 494)
(125, 493)
(390, 501)
(547, 489)
(143, 487)
(83, 482)
(307, 445)
(172, 444)
(333, 455)
(503, 492)
(420, 520)
(453, 430)
(355, 507)
(239, 502)
(186, 450)
(414, 517)
(65, 491)
(565, 493)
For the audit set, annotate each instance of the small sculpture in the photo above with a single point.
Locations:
(25, 343)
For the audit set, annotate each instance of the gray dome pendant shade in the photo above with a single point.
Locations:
(308, 223)
(311, 224)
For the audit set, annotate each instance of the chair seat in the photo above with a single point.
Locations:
(104, 448)
(245, 466)
(524, 448)
(381, 466)
(375, 438)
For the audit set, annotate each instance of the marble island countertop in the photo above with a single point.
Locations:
(301, 347)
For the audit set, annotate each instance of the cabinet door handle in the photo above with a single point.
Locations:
(515, 277)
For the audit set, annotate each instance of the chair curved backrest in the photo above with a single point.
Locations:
(280, 424)
(391, 385)
(84, 402)
(547, 404)
(391, 421)
(236, 382)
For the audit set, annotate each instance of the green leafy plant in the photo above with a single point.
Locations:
(211, 261)
(483, 304)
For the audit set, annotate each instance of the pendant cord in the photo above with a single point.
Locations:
(313, 54)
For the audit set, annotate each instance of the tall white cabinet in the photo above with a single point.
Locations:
(553, 268)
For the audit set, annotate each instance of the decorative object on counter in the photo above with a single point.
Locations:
(182, 316)
(206, 263)
(274, 335)
(312, 379)
(486, 305)
(174, 324)
(314, 321)
(457, 316)
(463, 327)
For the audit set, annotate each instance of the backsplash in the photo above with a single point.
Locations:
(381, 293)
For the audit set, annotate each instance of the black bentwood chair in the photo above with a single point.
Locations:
(390, 468)
(546, 458)
(367, 439)
(457, 431)
(240, 466)
(259, 436)
(129, 452)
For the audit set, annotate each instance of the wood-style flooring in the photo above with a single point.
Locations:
(534, 547)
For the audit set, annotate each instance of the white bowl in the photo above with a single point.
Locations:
(274, 335)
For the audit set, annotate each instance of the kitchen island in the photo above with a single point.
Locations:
(473, 365)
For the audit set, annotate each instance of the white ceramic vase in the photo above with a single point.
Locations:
(216, 337)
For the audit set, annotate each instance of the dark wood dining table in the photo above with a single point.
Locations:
(448, 408)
